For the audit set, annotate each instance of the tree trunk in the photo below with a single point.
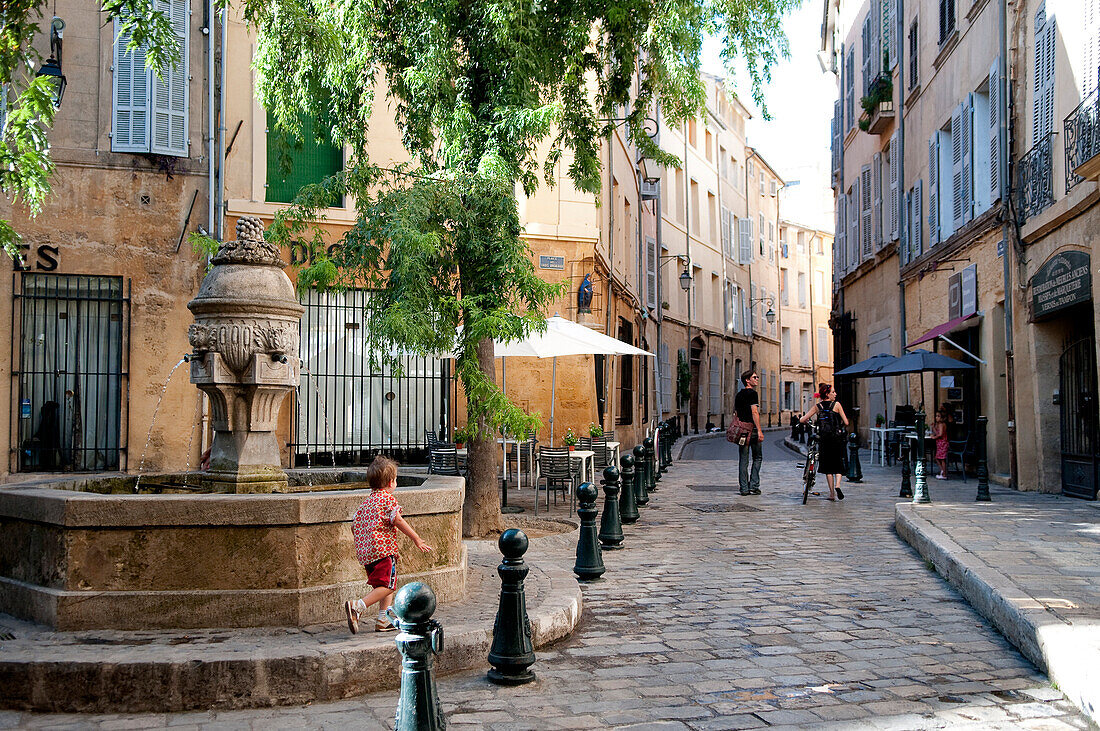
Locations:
(481, 510)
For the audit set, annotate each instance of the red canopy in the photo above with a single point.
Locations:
(949, 326)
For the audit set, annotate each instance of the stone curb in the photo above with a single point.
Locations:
(329, 671)
(679, 444)
(796, 446)
(1068, 653)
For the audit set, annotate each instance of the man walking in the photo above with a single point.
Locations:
(747, 406)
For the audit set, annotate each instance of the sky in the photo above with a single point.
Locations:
(800, 99)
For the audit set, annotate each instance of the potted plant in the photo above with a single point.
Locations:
(595, 430)
(880, 420)
(569, 440)
(463, 435)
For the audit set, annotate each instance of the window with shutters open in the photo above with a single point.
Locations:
(893, 211)
(293, 163)
(940, 187)
(876, 203)
(149, 113)
(651, 271)
(865, 212)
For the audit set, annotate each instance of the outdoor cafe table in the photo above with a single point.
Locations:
(882, 432)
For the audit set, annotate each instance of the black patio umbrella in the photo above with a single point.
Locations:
(920, 361)
(869, 367)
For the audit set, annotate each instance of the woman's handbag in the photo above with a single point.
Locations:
(738, 431)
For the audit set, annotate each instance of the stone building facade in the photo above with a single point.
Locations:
(932, 230)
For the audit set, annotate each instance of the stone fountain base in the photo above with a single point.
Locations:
(79, 560)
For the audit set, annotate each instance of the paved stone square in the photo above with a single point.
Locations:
(730, 612)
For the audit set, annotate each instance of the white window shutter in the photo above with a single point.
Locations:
(894, 43)
(903, 251)
(876, 204)
(867, 51)
(967, 188)
(850, 88)
(934, 189)
(914, 240)
(169, 128)
(745, 235)
(865, 213)
(853, 227)
(838, 136)
(876, 40)
(130, 113)
(651, 271)
(840, 238)
(957, 218)
(1043, 99)
(994, 132)
(895, 164)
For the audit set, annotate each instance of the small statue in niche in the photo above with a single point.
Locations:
(584, 295)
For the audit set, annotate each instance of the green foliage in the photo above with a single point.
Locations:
(570, 438)
(465, 434)
(595, 430)
(683, 378)
(25, 163)
(203, 245)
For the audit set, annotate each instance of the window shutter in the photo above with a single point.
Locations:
(957, 218)
(838, 137)
(915, 243)
(651, 271)
(994, 132)
(853, 227)
(130, 115)
(170, 92)
(934, 189)
(968, 158)
(865, 213)
(876, 204)
(1043, 101)
(745, 235)
(903, 251)
(895, 165)
(867, 51)
(841, 232)
(850, 88)
(893, 42)
(876, 39)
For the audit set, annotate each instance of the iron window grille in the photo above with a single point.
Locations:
(1035, 179)
(70, 339)
(350, 410)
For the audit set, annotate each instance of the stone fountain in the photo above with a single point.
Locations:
(245, 341)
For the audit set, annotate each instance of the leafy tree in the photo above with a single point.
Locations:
(25, 163)
(479, 89)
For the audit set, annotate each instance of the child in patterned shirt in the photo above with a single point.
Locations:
(375, 529)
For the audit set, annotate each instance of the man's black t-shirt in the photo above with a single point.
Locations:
(743, 403)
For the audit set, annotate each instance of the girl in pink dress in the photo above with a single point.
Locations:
(939, 433)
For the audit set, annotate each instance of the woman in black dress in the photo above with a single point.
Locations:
(831, 422)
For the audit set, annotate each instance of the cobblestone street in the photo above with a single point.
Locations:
(730, 612)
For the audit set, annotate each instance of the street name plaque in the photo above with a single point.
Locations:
(1062, 282)
(552, 262)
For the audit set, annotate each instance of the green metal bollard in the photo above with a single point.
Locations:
(512, 653)
(906, 468)
(650, 465)
(983, 465)
(628, 505)
(611, 527)
(855, 469)
(641, 494)
(421, 638)
(589, 566)
(920, 490)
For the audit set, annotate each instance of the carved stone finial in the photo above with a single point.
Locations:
(250, 246)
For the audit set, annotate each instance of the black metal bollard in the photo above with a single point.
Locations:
(855, 469)
(658, 467)
(906, 469)
(650, 465)
(421, 638)
(920, 489)
(589, 566)
(611, 527)
(512, 653)
(983, 465)
(628, 505)
(641, 494)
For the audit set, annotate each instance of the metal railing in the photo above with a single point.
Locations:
(1082, 137)
(1035, 179)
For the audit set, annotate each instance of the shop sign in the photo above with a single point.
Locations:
(962, 293)
(1062, 282)
(44, 258)
(552, 262)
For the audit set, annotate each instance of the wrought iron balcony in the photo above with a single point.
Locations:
(1035, 179)
(1082, 128)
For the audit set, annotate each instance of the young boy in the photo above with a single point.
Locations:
(375, 529)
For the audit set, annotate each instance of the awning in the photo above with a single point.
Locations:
(947, 327)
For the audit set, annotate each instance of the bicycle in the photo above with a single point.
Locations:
(809, 472)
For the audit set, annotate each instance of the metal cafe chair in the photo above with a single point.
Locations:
(556, 470)
(957, 452)
(599, 448)
(443, 460)
(525, 453)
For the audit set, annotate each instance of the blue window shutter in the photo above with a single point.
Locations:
(169, 121)
(130, 97)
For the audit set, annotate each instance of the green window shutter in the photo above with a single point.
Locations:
(310, 159)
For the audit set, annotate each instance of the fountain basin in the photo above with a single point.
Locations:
(87, 557)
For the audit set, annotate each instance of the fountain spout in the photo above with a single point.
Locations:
(246, 322)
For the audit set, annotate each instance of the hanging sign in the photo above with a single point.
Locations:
(962, 293)
(1062, 282)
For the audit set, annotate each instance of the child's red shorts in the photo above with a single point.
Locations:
(382, 572)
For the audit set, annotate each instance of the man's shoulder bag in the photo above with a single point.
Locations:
(738, 431)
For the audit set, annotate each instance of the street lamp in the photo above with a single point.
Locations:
(51, 69)
(685, 280)
(770, 314)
